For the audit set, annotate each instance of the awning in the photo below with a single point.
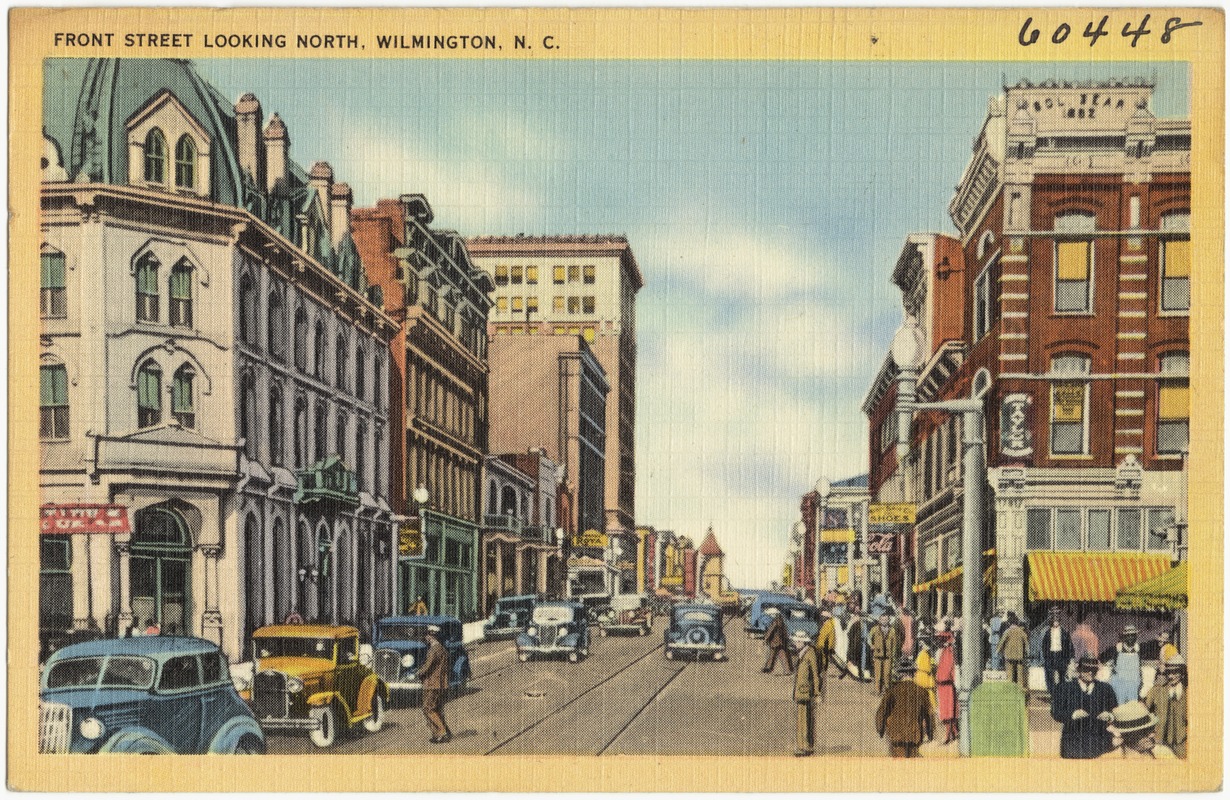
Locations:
(1166, 592)
(950, 581)
(837, 535)
(1090, 577)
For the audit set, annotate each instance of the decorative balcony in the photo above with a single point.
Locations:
(327, 481)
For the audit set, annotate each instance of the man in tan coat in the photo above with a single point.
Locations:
(904, 716)
(885, 644)
(434, 675)
(808, 687)
(777, 640)
(1014, 647)
(1167, 700)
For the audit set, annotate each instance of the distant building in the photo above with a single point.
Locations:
(209, 370)
(521, 550)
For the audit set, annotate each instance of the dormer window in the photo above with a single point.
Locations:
(185, 162)
(155, 157)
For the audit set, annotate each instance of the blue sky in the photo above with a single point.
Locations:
(766, 203)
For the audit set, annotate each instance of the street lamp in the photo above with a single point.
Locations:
(822, 495)
(907, 353)
(798, 537)
(560, 569)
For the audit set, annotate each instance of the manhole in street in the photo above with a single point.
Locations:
(535, 693)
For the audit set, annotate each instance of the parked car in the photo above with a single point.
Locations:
(556, 628)
(149, 695)
(758, 618)
(802, 623)
(628, 613)
(311, 678)
(510, 616)
(695, 632)
(399, 645)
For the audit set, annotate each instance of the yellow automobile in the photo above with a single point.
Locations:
(311, 677)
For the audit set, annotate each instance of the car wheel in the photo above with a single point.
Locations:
(249, 746)
(574, 657)
(326, 731)
(375, 721)
(523, 656)
(135, 744)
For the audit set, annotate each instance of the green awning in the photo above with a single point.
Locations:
(1165, 592)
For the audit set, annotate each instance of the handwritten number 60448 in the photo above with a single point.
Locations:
(1029, 33)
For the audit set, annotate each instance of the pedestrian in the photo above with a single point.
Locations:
(808, 688)
(1084, 642)
(1125, 677)
(1014, 647)
(904, 715)
(1168, 701)
(434, 675)
(885, 648)
(1084, 705)
(905, 628)
(995, 630)
(1166, 651)
(841, 643)
(419, 609)
(1137, 732)
(1056, 653)
(826, 641)
(946, 685)
(777, 641)
(856, 645)
(924, 670)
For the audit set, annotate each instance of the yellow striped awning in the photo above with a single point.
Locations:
(1090, 577)
(950, 581)
(1166, 592)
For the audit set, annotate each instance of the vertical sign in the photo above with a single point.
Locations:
(1016, 422)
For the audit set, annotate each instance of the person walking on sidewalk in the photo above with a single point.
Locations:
(1084, 705)
(1168, 701)
(924, 670)
(946, 685)
(1056, 653)
(885, 648)
(904, 716)
(434, 675)
(808, 688)
(1125, 677)
(1014, 647)
(1137, 732)
(778, 642)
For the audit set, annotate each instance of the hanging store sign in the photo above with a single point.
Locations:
(84, 518)
(410, 542)
(590, 538)
(891, 513)
(1068, 402)
(1016, 418)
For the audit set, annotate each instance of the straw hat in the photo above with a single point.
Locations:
(1131, 717)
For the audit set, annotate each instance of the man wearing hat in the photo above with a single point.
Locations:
(434, 675)
(885, 645)
(776, 639)
(1168, 701)
(826, 642)
(904, 716)
(1125, 677)
(808, 688)
(1014, 647)
(1084, 705)
(1136, 729)
(1056, 653)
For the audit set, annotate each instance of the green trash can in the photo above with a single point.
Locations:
(999, 723)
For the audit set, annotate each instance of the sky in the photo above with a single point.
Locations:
(766, 203)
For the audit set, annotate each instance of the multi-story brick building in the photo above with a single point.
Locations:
(210, 367)
(439, 390)
(1073, 216)
(522, 545)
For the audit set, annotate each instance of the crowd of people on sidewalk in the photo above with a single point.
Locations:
(915, 664)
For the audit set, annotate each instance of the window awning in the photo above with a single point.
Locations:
(837, 535)
(1166, 592)
(1090, 577)
(950, 581)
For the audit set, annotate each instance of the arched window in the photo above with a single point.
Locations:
(318, 350)
(147, 288)
(378, 482)
(53, 402)
(360, 449)
(181, 294)
(341, 363)
(301, 339)
(183, 406)
(301, 429)
(360, 374)
(149, 395)
(247, 310)
(276, 450)
(185, 162)
(155, 157)
(322, 431)
(340, 438)
(277, 325)
(247, 415)
(1176, 261)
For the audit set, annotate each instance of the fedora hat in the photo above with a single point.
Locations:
(1130, 630)
(1088, 662)
(1131, 717)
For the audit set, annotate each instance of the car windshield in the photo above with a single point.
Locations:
(697, 616)
(294, 647)
(552, 615)
(118, 672)
(402, 632)
(800, 614)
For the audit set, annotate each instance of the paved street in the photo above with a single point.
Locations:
(626, 698)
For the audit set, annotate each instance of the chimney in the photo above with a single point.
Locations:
(248, 119)
(277, 152)
(341, 199)
(320, 178)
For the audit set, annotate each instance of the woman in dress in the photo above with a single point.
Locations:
(946, 685)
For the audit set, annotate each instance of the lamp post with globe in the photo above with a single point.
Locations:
(823, 488)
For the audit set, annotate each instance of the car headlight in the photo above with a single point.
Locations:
(407, 660)
(294, 685)
(532, 631)
(92, 728)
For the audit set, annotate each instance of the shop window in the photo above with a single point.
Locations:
(147, 288)
(1160, 521)
(55, 586)
(1067, 529)
(183, 407)
(1069, 405)
(1099, 529)
(53, 402)
(1038, 529)
(149, 395)
(1128, 529)
(53, 295)
(181, 294)
(1173, 405)
(155, 157)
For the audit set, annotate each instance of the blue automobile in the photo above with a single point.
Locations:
(556, 628)
(695, 631)
(149, 695)
(509, 617)
(758, 617)
(399, 646)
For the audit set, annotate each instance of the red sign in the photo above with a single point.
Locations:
(84, 518)
(880, 541)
